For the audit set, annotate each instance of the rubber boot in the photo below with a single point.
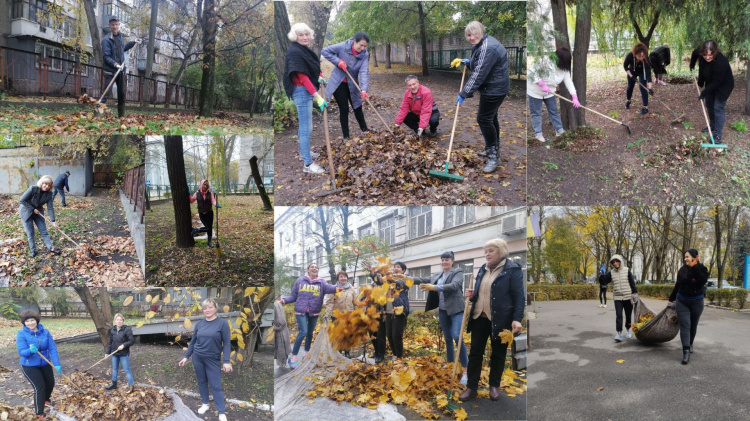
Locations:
(685, 356)
(210, 244)
(492, 161)
(112, 385)
(484, 153)
(120, 110)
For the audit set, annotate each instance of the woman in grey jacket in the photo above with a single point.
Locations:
(352, 56)
(32, 212)
(446, 294)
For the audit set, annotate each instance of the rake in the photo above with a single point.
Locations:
(97, 363)
(89, 248)
(677, 119)
(66, 377)
(368, 101)
(708, 124)
(597, 113)
(445, 174)
(331, 171)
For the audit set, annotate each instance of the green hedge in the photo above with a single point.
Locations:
(566, 292)
(725, 297)
(655, 291)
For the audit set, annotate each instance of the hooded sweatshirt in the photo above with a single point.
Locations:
(204, 199)
(307, 295)
(343, 301)
(623, 282)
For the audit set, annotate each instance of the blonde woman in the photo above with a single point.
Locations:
(32, 212)
(120, 341)
(209, 347)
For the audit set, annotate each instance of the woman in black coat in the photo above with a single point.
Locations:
(638, 69)
(498, 304)
(120, 341)
(688, 293)
(716, 79)
(32, 212)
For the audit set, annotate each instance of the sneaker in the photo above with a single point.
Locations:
(662, 83)
(222, 417)
(618, 337)
(540, 137)
(644, 111)
(293, 361)
(464, 379)
(313, 169)
(605, 306)
(627, 105)
(628, 334)
(560, 133)
(203, 409)
(313, 155)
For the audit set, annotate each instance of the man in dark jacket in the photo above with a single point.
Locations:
(489, 75)
(61, 184)
(113, 49)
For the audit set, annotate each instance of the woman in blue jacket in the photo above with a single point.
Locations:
(31, 341)
(350, 55)
(498, 299)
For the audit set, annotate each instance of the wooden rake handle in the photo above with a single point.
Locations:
(589, 109)
(331, 169)
(97, 363)
(703, 107)
(62, 232)
(66, 377)
(464, 322)
(368, 101)
(455, 120)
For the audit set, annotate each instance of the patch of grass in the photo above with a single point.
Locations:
(637, 143)
(549, 165)
(687, 124)
(740, 125)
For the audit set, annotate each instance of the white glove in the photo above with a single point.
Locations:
(419, 132)
(118, 66)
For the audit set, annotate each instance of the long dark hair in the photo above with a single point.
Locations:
(638, 49)
(706, 46)
(563, 58)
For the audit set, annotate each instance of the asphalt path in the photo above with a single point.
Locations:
(573, 372)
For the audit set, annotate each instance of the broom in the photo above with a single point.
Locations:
(445, 174)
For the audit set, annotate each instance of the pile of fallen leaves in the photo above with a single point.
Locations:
(7, 323)
(583, 139)
(20, 413)
(144, 404)
(80, 204)
(687, 150)
(379, 165)
(7, 204)
(108, 244)
(642, 320)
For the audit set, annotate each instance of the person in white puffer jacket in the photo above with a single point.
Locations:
(624, 293)
(546, 74)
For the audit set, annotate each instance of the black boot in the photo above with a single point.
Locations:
(492, 161)
(210, 244)
(112, 385)
(627, 105)
(120, 110)
(685, 356)
(644, 111)
(691, 349)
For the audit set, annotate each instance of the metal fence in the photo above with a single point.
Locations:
(58, 73)
(157, 191)
(442, 59)
(134, 185)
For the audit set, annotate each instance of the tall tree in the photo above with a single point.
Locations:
(535, 251)
(209, 25)
(725, 220)
(94, 31)
(316, 14)
(281, 28)
(100, 313)
(150, 47)
(324, 218)
(562, 258)
(580, 57)
(174, 153)
(259, 183)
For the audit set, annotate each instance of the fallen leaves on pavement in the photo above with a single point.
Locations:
(144, 404)
(20, 413)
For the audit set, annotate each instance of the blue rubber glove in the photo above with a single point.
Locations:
(460, 100)
(466, 61)
(218, 205)
(33, 349)
(322, 80)
(58, 369)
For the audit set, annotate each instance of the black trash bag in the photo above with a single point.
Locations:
(663, 327)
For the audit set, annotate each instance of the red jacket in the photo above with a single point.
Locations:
(419, 104)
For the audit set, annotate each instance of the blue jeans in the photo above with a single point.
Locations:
(62, 194)
(125, 361)
(208, 372)
(304, 103)
(717, 115)
(42, 226)
(451, 326)
(535, 109)
(306, 325)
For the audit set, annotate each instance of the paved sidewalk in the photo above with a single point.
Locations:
(573, 353)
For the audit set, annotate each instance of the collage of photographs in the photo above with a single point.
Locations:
(310, 210)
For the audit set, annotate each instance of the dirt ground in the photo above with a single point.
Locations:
(98, 220)
(660, 163)
(505, 186)
(245, 236)
(153, 363)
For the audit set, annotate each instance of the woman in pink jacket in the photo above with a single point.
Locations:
(205, 198)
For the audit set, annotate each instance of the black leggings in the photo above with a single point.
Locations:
(619, 306)
(343, 98)
(43, 382)
(394, 330)
(487, 119)
(603, 296)
(644, 92)
(688, 313)
(208, 222)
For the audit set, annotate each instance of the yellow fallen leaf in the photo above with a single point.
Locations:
(506, 336)
(620, 361)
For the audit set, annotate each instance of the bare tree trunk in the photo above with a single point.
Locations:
(150, 49)
(209, 25)
(259, 183)
(374, 55)
(747, 83)
(388, 55)
(281, 43)
(320, 12)
(560, 21)
(580, 56)
(423, 38)
(646, 39)
(186, 59)
(251, 336)
(180, 193)
(95, 31)
(102, 317)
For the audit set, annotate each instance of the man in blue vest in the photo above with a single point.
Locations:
(113, 49)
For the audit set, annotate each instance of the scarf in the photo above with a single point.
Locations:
(303, 60)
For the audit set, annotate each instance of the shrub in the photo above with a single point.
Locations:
(741, 296)
(712, 295)
(284, 112)
(726, 296)
(567, 292)
(655, 291)
(8, 309)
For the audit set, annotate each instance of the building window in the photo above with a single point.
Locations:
(458, 215)
(70, 64)
(387, 230)
(364, 230)
(319, 256)
(420, 221)
(519, 258)
(53, 54)
(497, 210)
(468, 267)
(294, 231)
(414, 292)
(362, 280)
(310, 259)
